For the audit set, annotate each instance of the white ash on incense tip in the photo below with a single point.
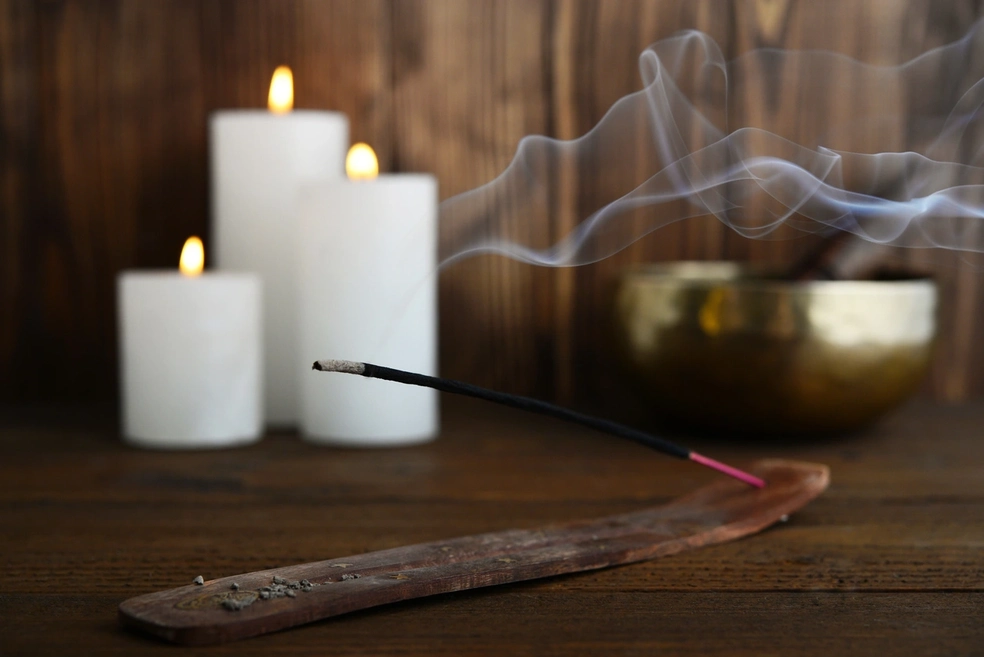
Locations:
(346, 366)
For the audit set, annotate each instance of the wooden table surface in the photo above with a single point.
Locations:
(890, 560)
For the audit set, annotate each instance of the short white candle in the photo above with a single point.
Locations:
(259, 159)
(368, 292)
(190, 358)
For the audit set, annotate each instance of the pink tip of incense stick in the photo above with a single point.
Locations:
(751, 480)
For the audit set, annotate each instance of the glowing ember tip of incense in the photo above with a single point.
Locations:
(723, 468)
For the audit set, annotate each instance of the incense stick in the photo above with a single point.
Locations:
(535, 406)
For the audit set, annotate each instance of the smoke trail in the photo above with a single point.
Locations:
(909, 175)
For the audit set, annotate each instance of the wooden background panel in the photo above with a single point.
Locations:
(116, 179)
(339, 51)
(103, 145)
(958, 369)
(470, 82)
(18, 163)
(604, 69)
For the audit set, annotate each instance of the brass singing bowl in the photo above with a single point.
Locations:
(719, 346)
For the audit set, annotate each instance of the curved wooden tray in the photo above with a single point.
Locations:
(270, 600)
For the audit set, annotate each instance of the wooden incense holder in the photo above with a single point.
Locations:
(265, 601)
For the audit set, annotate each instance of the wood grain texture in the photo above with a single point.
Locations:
(888, 559)
(469, 83)
(18, 169)
(605, 69)
(925, 26)
(103, 153)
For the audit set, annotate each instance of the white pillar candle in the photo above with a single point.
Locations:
(368, 292)
(258, 162)
(190, 359)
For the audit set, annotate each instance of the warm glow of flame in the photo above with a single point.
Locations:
(710, 312)
(192, 257)
(361, 163)
(281, 99)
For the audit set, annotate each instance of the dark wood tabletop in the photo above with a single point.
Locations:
(890, 560)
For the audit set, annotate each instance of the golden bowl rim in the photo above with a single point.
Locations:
(760, 278)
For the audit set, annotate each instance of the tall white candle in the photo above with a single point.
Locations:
(368, 292)
(190, 358)
(259, 160)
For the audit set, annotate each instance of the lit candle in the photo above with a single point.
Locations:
(190, 364)
(259, 159)
(368, 291)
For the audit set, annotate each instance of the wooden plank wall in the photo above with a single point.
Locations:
(103, 153)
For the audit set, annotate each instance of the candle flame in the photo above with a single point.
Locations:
(361, 162)
(192, 257)
(281, 98)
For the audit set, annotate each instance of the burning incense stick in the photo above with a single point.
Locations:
(535, 406)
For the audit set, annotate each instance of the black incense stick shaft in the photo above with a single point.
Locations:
(526, 404)
(533, 405)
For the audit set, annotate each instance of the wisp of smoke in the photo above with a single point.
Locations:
(908, 171)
